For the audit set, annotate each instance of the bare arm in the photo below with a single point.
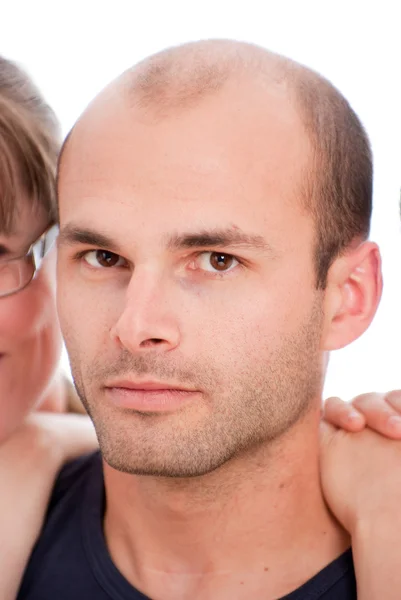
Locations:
(377, 558)
(29, 463)
(361, 475)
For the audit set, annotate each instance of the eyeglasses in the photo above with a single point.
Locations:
(17, 273)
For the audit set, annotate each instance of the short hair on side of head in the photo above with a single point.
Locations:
(337, 188)
(29, 146)
(339, 184)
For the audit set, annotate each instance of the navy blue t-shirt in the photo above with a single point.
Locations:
(71, 561)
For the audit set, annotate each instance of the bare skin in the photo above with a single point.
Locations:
(29, 462)
(380, 412)
(33, 445)
(360, 465)
(140, 183)
(30, 339)
(204, 528)
(30, 459)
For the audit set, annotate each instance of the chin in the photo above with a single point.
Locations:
(153, 462)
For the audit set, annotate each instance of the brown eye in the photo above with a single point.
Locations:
(221, 262)
(103, 259)
(106, 259)
(215, 262)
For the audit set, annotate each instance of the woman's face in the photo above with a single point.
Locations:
(30, 339)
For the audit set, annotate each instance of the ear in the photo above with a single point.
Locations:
(352, 295)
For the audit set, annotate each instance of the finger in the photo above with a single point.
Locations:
(394, 399)
(343, 414)
(379, 414)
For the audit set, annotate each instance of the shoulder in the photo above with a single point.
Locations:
(74, 513)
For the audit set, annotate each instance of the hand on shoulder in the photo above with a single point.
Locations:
(361, 459)
(379, 412)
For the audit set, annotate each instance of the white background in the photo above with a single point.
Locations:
(72, 49)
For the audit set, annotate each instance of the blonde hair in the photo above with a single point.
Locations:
(29, 146)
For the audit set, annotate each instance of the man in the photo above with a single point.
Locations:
(214, 208)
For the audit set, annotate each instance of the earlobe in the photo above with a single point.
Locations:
(353, 293)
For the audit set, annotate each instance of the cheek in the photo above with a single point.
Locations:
(86, 316)
(229, 317)
(249, 318)
(270, 306)
(29, 318)
(31, 339)
(28, 313)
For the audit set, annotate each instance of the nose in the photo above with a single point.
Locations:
(148, 320)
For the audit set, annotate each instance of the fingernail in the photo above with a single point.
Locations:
(395, 400)
(354, 415)
(395, 422)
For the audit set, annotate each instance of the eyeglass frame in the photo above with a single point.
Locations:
(38, 250)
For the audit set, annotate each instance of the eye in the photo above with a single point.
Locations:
(216, 262)
(103, 259)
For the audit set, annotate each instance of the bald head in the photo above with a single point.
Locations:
(337, 182)
(194, 194)
(179, 77)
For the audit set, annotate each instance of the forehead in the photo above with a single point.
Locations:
(29, 222)
(241, 152)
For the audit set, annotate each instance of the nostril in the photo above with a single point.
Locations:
(151, 342)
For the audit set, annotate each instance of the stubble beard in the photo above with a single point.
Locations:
(262, 400)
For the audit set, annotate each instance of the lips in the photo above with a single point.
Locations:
(149, 396)
(147, 386)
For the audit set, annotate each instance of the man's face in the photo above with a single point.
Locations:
(185, 262)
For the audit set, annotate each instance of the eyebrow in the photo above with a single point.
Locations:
(234, 238)
(71, 235)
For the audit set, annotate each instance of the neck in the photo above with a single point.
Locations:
(231, 533)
